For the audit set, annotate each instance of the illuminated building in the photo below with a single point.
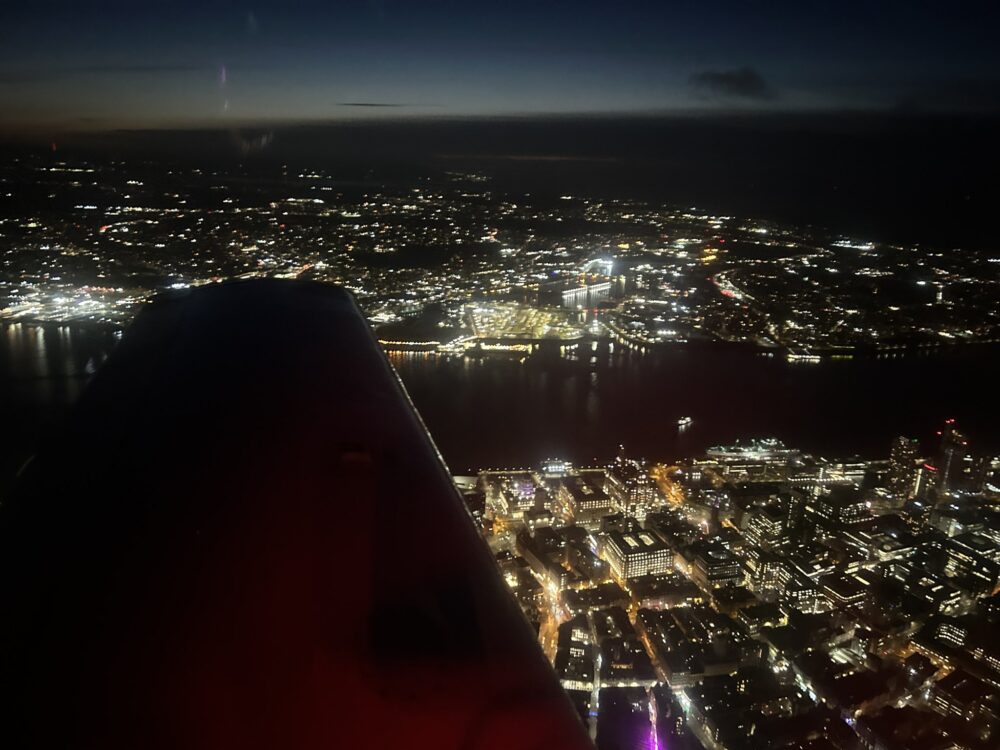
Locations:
(692, 642)
(620, 522)
(954, 519)
(624, 661)
(840, 508)
(842, 472)
(748, 498)
(628, 483)
(665, 591)
(954, 446)
(761, 616)
(585, 501)
(714, 566)
(842, 589)
(962, 695)
(536, 518)
(515, 495)
(639, 554)
(545, 552)
(979, 472)
(555, 467)
(934, 590)
(882, 544)
(574, 662)
(766, 527)
(600, 597)
(928, 478)
(766, 571)
(801, 592)
(903, 467)
(968, 559)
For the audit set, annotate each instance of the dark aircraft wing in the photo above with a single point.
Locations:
(244, 538)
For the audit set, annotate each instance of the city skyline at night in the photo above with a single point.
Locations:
(554, 375)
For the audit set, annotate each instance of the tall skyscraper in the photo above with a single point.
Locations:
(954, 446)
(978, 473)
(903, 467)
(928, 478)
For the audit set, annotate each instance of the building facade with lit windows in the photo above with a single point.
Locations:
(638, 554)
(632, 490)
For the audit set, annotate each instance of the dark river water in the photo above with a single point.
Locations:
(504, 412)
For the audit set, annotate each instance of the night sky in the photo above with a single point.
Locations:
(68, 66)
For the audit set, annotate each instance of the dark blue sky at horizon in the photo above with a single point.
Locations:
(66, 66)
